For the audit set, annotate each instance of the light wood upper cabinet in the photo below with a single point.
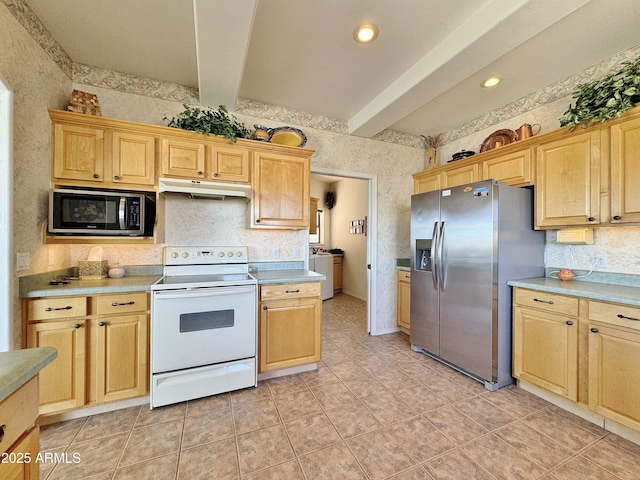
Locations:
(426, 182)
(625, 172)
(568, 181)
(280, 191)
(182, 158)
(514, 169)
(229, 164)
(78, 153)
(133, 158)
(460, 176)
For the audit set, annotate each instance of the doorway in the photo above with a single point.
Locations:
(354, 231)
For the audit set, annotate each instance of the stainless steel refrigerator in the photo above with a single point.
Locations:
(466, 243)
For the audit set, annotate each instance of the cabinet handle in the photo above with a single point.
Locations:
(200, 172)
(292, 291)
(2, 428)
(116, 177)
(95, 175)
(77, 325)
(591, 219)
(51, 309)
(628, 318)
(265, 308)
(543, 301)
(101, 324)
(116, 304)
(594, 330)
(215, 174)
(257, 220)
(617, 217)
(569, 322)
(407, 276)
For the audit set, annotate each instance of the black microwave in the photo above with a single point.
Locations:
(106, 213)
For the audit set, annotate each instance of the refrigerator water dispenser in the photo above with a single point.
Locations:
(423, 255)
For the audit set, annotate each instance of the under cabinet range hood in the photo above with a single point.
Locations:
(204, 189)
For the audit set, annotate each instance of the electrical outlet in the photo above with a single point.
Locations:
(276, 253)
(601, 260)
(23, 261)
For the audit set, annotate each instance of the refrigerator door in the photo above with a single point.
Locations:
(424, 319)
(466, 291)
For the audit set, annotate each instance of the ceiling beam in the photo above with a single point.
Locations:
(223, 32)
(495, 29)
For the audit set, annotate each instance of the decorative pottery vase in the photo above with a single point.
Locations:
(116, 271)
(261, 133)
(565, 274)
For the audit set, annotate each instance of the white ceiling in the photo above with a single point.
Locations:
(420, 76)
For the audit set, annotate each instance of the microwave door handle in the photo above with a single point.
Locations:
(121, 213)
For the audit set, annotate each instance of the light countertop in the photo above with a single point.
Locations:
(624, 294)
(287, 276)
(93, 287)
(17, 367)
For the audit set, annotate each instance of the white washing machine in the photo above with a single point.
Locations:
(323, 264)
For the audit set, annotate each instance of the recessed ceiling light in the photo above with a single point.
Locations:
(491, 81)
(365, 33)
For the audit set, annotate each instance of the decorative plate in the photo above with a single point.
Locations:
(288, 136)
(498, 139)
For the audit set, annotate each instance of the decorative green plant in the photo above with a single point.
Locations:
(209, 121)
(602, 100)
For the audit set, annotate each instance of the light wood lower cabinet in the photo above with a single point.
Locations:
(290, 325)
(545, 341)
(102, 344)
(338, 264)
(583, 350)
(403, 296)
(614, 359)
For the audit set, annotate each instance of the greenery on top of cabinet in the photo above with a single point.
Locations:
(605, 99)
(209, 121)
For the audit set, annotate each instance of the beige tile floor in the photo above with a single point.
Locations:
(374, 410)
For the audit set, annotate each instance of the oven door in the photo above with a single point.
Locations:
(192, 328)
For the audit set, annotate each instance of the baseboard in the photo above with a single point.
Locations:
(87, 411)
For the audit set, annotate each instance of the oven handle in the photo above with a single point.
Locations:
(204, 292)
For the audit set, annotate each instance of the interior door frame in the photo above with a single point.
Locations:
(372, 228)
(6, 216)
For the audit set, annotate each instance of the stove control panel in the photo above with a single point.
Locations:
(204, 255)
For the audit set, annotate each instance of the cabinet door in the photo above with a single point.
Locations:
(121, 357)
(625, 172)
(426, 183)
(313, 216)
(229, 164)
(568, 181)
(460, 176)
(290, 333)
(280, 191)
(513, 169)
(403, 307)
(22, 470)
(133, 158)
(78, 153)
(62, 382)
(182, 158)
(614, 376)
(545, 351)
(337, 274)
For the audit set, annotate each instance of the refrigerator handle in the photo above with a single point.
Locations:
(433, 256)
(440, 259)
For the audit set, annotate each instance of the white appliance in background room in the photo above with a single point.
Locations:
(466, 242)
(323, 263)
(203, 324)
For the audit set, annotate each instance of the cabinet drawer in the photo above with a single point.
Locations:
(290, 290)
(124, 303)
(51, 308)
(403, 276)
(18, 412)
(614, 314)
(550, 302)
